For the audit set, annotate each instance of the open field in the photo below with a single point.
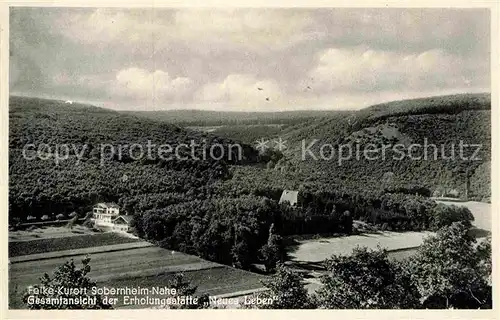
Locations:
(151, 266)
(480, 210)
(20, 248)
(320, 249)
(306, 255)
(316, 250)
(42, 232)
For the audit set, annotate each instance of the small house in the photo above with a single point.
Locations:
(290, 197)
(122, 223)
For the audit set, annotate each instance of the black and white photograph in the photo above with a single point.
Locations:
(249, 158)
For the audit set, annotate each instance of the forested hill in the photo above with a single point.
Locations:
(72, 159)
(443, 121)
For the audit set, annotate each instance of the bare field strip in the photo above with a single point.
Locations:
(80, 252)
(21, 248)
(104, 264)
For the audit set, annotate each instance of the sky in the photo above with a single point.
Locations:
(243, 59)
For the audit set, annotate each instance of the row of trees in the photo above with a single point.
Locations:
(248, 229)
(236, 232)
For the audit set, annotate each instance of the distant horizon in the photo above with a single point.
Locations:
(246, 111)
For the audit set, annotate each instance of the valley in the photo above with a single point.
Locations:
(216, 218)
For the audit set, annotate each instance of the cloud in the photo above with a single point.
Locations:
(248, 28)
(241, 89)
(363, 69)
(185, 57)
(255, 29)
(409, 29)
(156, 85)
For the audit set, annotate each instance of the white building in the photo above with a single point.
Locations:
(105, 213)
(289, 196)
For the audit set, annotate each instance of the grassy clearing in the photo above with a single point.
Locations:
(323, 248)
(66, 243)
(42, 232)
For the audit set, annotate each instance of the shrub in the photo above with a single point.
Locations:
(445, 215)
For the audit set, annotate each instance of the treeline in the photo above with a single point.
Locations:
(448, 104)
(221, 118)
(237, 230)
(387, 211)
(400, 207)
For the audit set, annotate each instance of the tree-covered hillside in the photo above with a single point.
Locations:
(422, 138)
(67, 157)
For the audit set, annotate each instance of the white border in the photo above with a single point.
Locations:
(249, 314)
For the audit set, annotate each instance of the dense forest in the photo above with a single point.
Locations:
(227, 210)
(43, 182)
(441, 123)
(436, 125)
